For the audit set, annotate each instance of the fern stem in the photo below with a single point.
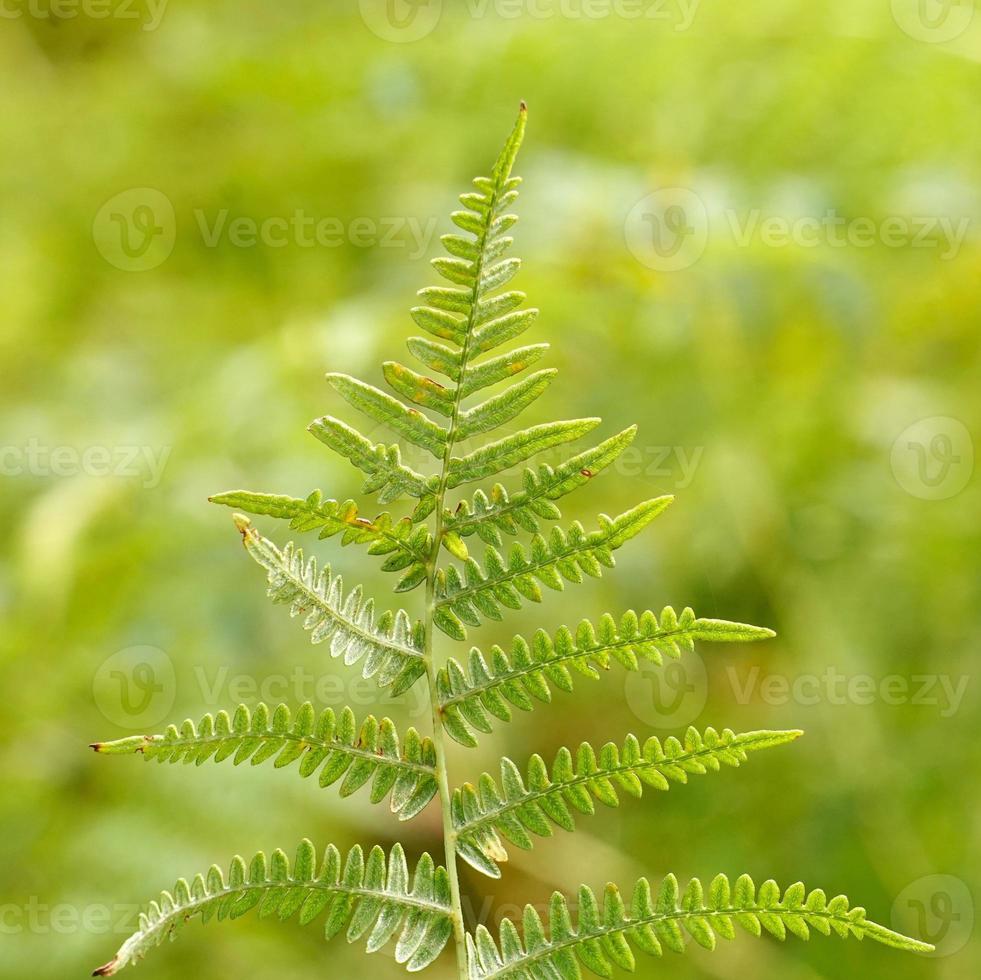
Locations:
(442, 777)
(439, 736)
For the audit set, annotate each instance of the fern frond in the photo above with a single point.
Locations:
(607, 935)
(386, 474)
(516, 809)
(374, 897)
(336, 745)
(500, 368)
(391, 648)
(468, 699)
(514, 449)
(563, 556)
(404, 544)
(411, 424)
(510, 513)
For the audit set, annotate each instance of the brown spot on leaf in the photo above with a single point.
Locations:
(586, 472)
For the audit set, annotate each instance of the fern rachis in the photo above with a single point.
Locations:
(375, 898)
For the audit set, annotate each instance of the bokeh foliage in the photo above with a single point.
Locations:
(787, 373)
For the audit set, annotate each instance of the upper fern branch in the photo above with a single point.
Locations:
(561, 557)
(391, 647)
(523, 510)
(404, 543)
(485, 813)
(386, 474)
(376, 898)
(336, 745)
(468, 699)
(606, 935)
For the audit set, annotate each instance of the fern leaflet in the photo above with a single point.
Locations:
(391, 648)
(485, 813)
(562, 556)
(606, 935)
(336, 745)
(405, 544)
(468, 699)
(373, 897)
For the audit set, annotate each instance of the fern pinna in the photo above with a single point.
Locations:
(467, 559)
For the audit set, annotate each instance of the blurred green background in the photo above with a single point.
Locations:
(810, 398)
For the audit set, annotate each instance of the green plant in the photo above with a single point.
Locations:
(375, 897)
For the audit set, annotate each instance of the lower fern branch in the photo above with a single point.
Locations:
(608, 933)
(373, 897)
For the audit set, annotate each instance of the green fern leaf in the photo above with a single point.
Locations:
(379, 407)
(514, 449)
(501, 408)
(496, 369)
(387, 475)
(563, 556)
(374, 898)
(405, 544)
(519, 808)
(469, 699)
(419, 389)
(607, 934)
(488, 516)
(391, 648)
(335, 745)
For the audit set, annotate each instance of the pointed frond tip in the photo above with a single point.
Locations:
(495, 683)
(389, 648)
(373, 897)
(519, 807)
(404, 544)
(334, 744)
(565, 556)
(609, 931)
